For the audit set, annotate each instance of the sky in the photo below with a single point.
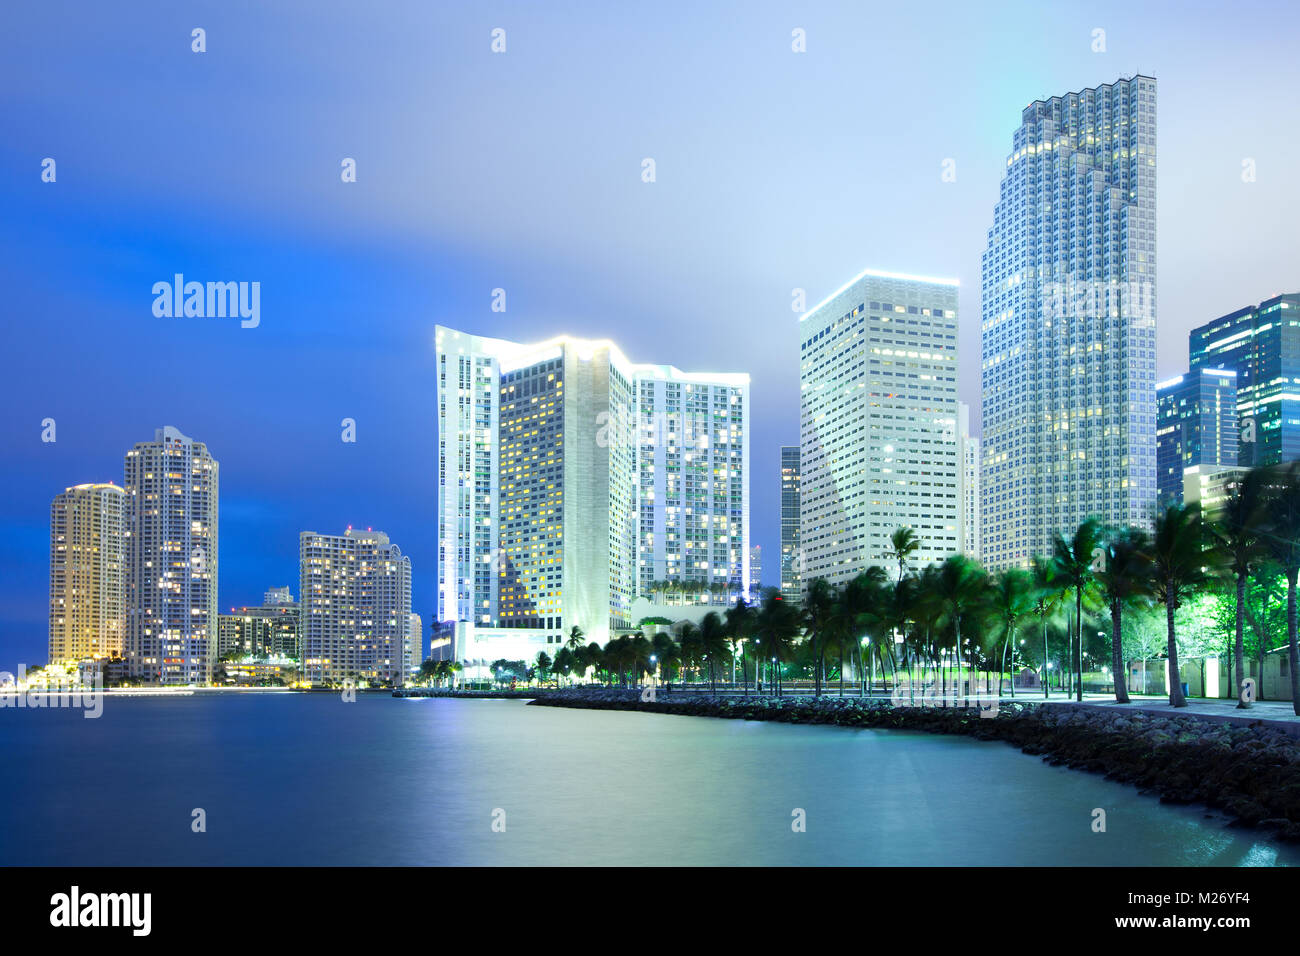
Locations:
(521, 170)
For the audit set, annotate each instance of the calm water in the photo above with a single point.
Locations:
(308, 779)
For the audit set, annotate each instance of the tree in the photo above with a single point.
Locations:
(962, 591)
(1180, 565)
(1236, 525)
(713, 645)
(819, 611)
(1073, 558)
(576, 635)
(543, 665)
(690, 644)
(667, 652)
(775, 628)
(903, 543)
(740, 619)
(1281, 534)
(860, 610)
(1012, 599)
(1047, 596)
(1125, 579)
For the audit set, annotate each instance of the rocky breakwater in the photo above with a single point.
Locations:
(1251, 773)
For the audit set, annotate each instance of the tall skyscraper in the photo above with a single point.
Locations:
(1196, 424)
(171, 490)
(970, 487)
(755, 572)
(791, 555)
(570, 478)
(87, 572)
(1069, 322)
(878, 449)
(355, 600)
(692, 468)
(1262, 345)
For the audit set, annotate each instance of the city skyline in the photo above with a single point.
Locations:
(249, 411)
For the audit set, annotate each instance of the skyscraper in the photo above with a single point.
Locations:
(878, 449)
(791, 555)
(87, 570)
(355, 607)
(1068, 308)
(570, 478)
(171, 488)
(1262, 345)
(970, 484)
(1196, 424)
(692, 468)
(755, 572)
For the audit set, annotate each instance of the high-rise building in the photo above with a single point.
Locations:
(1196, 424)
(1068, 323)
(879, 450)
(87, 573)
(692, 467)
(791, 555)
(269, 630)
(1262, 345)
(171, 490)
(569, 479)
(355, 607)
(970, 488)
(755, 571)
(414, 647)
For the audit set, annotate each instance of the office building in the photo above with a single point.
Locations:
(1262, 345)
(879, 449)
(1068, 305)
(1196, 424)
(791, 555)
(970, 489)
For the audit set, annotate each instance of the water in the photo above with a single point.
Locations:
(308, 779)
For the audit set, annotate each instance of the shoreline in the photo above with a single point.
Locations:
(1251, 773)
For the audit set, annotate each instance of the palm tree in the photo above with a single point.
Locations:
(775, 628)
(740, 625)
(576, 635)
(667, 652)
(543, 665)
(1047, 595)
(1180, 565)
(713, 645)
(1012, 599)
(563, 664)
(689, 644)
(903, 543)
(819, 607)
(961, 588)
(861, 609)
(1282, 537)
(1236, 525)
(1073, 559)
(1124, 579)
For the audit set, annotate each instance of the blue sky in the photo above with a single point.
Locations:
(521, 170)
